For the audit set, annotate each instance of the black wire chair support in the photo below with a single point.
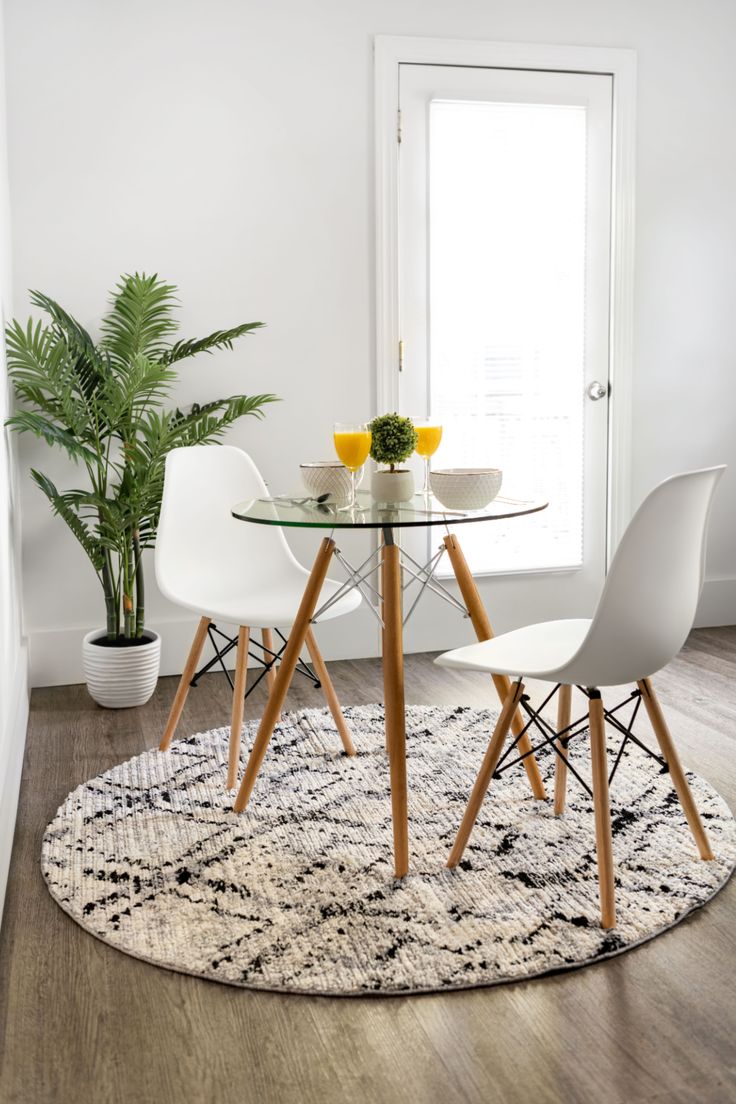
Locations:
(267, 658)
(560, 739)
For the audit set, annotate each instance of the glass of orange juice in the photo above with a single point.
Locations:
(429, 434)
(352, 445)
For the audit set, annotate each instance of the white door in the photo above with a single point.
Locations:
(504, 304)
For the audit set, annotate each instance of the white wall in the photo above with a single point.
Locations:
(228, 145)
(13, 653)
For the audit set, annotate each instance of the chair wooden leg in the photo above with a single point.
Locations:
(564, 706)
(267, 638)
(285, 672)
(236, 723)
(329, 692)
(483, 631)
(482, 782)
(677, 774)
(187, 675)
(393, 692)
(601, 802)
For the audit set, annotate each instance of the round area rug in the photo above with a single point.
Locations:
(297, 894)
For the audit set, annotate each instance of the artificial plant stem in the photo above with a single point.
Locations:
(112, 593)
(119, 586)
(140, 591)
(111, 606)
(128, 573)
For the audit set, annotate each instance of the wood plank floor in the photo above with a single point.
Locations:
(81, 1022)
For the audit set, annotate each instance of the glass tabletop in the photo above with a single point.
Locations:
(306, 513)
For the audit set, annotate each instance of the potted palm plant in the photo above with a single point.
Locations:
(103, 403)
(393, 440)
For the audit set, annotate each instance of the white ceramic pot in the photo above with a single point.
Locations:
(392, 486)
(119, 678)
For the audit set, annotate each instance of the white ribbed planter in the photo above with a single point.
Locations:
(119, 678)
(392, 486)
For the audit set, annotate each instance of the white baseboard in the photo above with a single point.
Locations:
(56, 655)
(12, 747)
(717, 605)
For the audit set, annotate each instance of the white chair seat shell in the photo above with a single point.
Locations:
(272, 607)
(536, 651)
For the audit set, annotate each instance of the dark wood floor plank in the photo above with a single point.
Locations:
(80, 1021)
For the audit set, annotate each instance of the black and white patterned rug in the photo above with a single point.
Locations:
(297, 894)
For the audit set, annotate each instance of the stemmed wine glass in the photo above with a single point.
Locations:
(429, 434)
(352, 445)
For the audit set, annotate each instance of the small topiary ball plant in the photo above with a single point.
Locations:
(393, 439)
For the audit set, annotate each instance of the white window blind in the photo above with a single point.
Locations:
(507, 211)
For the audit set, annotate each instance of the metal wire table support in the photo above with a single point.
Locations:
(358, 579)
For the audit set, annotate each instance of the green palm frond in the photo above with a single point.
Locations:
(65, 506)
(36, 354)
(144, 459)
(141, 318)
(27, 421)
(29, 348)
(44, 373)
(202, 424)
(130, 391)
(89, 365)
(220, 339)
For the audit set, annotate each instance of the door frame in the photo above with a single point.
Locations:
(389, 53)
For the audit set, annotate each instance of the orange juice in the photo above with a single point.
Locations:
(353, 446)
(429, 439)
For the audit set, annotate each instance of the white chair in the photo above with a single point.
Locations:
(644, 615)
(235, 571)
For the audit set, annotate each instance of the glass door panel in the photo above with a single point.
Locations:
(507, 301)
(504, 278)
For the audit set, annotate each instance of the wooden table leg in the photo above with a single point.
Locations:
(483, 631)
(285, 673)
(393, 691)
(485, 774)
(382, 611)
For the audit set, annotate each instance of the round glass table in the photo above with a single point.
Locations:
(389, 564)
(302, 512)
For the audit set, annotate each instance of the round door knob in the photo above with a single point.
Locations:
(597, 391)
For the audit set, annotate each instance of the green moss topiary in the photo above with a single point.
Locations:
(393, 439)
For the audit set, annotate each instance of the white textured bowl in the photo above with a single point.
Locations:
(328, 477)
(119, 678)
(465, 488)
